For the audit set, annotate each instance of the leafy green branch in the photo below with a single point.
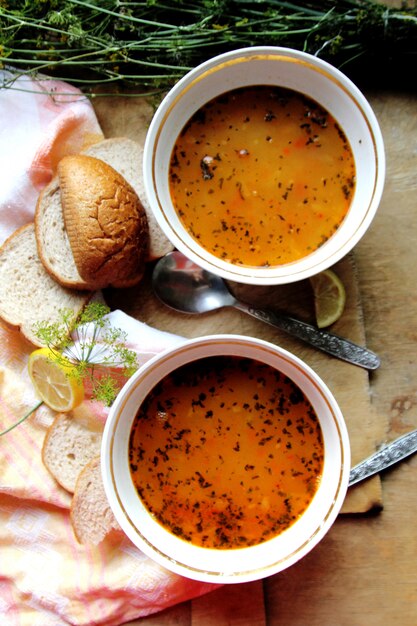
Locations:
(90, 343)
(154, 43)
(89, 348)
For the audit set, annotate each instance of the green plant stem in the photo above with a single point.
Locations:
(130, 18)
(90, 42)
(22, 419)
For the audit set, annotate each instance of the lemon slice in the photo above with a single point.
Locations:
(54, 381)
(329, 297)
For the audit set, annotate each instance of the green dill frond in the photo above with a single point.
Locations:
(93, 312)
(83, 344)
(152, 44)
(128, 358)
(56, 335)
(105, 390)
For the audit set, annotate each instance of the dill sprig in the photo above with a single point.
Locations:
(91, 344)
(22, 419)
(154, 43)
(89, 348)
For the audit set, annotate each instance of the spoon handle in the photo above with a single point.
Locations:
(327, 342)
(386, 456)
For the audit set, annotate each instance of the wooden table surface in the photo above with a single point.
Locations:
(365, 569)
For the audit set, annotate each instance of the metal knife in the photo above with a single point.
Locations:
(385, 457)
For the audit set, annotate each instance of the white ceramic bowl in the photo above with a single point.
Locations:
(219, 565)
(279, 67)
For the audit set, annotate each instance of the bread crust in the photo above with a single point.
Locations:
(126, 156)
(28, 294)
(105, 222)
(70, 443)
(91, 516)
(54, 248)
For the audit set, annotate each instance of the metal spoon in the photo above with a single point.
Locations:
(386, 456)
(184, 286)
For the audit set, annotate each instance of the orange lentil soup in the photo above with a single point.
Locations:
(261, 176)
(226, 452)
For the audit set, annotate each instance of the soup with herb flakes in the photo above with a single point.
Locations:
(226, 452)
(261, 176)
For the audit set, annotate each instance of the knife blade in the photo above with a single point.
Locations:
(386, 456)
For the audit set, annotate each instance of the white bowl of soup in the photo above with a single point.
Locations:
(225, 459)
(264, 165)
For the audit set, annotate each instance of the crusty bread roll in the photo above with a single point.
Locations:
(91, 516)
(28, 294)
(126, 157)
(105, 222)
(70, 443)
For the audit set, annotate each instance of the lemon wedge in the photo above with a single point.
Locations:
(329, 297)
(55, 381)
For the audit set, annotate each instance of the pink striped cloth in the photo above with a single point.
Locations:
(36, 131)
(46, 577)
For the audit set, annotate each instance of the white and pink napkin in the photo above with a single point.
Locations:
(46, 577)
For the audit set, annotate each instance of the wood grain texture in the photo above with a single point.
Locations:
(240, 605)
(364, 571)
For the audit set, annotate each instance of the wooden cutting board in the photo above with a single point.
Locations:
(129, 117)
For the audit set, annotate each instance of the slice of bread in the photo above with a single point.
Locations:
(126, 157)
(91, 516)
(52, 240)
(28, 294)
(70, 443)
(105, 222)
